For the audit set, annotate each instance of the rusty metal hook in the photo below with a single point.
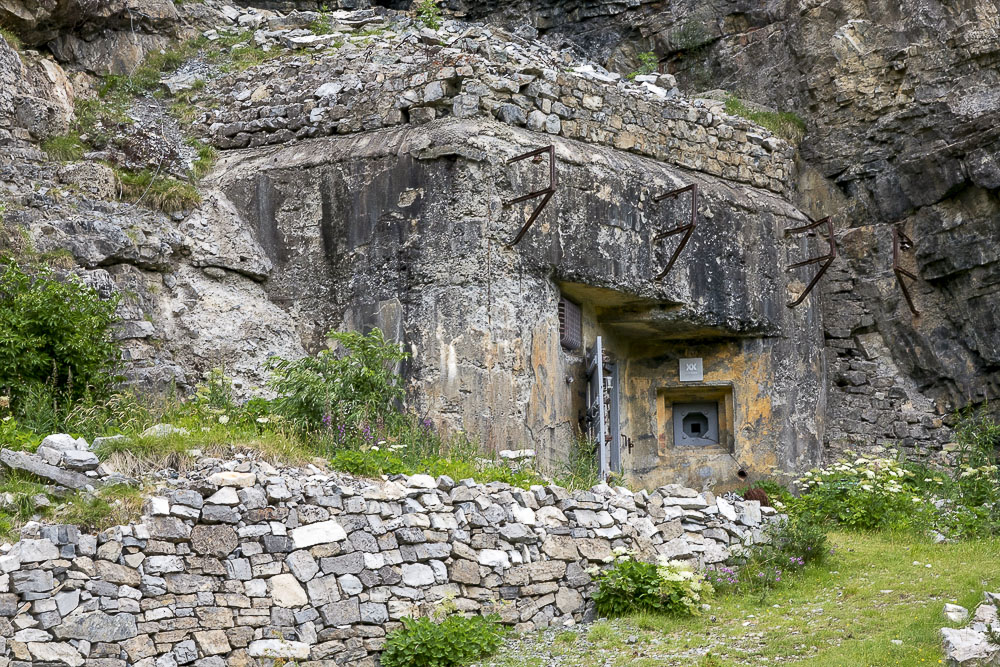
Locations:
(827, 259)
(902, 242)
(687, 229)
(546, 193)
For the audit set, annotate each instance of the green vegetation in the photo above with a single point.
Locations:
(648, 64)
(55, 339)
(24, 497)
(324, 24)
(159, 191)
(12, 38)
(633, 586)
(457, 640)
(879, 588)
(343, 406)
(791, 545)
(784, 124)
(64, 147)
(878, 493)
(429, 13)
(205, 160)
(355, 388)
(94, 512)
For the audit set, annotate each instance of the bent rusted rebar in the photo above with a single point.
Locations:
(827, 259)
(900, 241)
(687, 229)
(546, 193)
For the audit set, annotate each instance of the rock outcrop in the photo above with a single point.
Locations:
(974, 645)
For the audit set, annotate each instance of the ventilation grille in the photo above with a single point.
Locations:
(570, 324)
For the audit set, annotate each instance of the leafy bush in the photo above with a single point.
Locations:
(632, 586)
(429, 13)
(649, 62)
(978, 474)
(353, 388)
(54, 334)
(866, 494)
(457, 640)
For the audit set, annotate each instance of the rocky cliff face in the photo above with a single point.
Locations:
(362, 183)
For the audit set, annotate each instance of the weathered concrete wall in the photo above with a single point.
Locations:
(236, 564)
(406, 229)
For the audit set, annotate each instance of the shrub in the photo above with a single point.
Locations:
(977, 475)
(429, 13)
(632, 586)
(457, 640)
(54, 334)
(866, 494)
(649, 62)
(354, 388)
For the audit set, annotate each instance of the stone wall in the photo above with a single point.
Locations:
(238, 562)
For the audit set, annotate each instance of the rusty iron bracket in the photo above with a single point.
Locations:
(687, 229)
(900, 241)
(827, 259)
(546, 194)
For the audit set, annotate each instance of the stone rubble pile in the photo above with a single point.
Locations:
(975, 645)
(240, 563)
(369, 72)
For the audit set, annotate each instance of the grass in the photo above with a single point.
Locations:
(64, 147)
(785, 124)
(12, 38)
(158, 191)
(207, 155)
(111, 506)
(136, 455)
(846, 615)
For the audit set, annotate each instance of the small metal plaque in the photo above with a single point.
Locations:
(691, 370)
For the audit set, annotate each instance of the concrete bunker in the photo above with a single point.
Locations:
(407, 229)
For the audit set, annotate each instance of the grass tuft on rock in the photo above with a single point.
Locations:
(158, 191)
(64, 147)
(785, 124)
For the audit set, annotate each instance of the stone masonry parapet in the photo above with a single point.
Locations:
(342, 83)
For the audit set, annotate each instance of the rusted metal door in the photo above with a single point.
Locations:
(603, 416)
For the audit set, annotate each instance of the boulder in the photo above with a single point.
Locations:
(36, 466)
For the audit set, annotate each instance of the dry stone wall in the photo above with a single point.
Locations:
(356, 84)
(240, 563)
